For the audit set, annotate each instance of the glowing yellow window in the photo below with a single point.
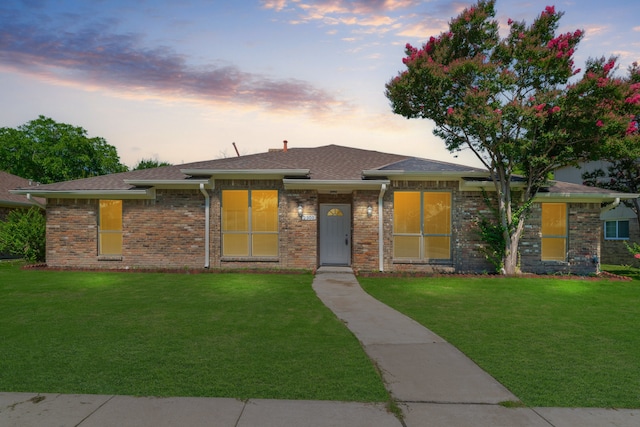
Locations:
(406, 224)
(554, 231)
(110, 227)
(437, 225)
(422, 225)
(250, 223)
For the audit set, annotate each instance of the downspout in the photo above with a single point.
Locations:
(383, 188)
(613, 205)
(207, 204)
(35, 202)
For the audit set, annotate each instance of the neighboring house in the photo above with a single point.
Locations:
(301, 208)
(9, 201)
(619, 222)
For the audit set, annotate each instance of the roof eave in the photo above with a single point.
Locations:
(332, 186)
(169, 183)
(13, 204)
(584, 197)
(146, 193)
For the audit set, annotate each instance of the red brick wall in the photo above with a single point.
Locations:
(72, 233)
(364, 240)
(583, 241)
(168, 232)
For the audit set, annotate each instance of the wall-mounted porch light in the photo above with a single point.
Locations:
(300, 211)
(369, 211)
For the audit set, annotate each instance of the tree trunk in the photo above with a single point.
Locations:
(511, 254)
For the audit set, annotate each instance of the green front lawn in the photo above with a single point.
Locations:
(226, 335)
(552, 342)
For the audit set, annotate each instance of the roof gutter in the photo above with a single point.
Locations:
(35, 202)
(383, 189)
(207, 226)
(145, 193)
(333, 185)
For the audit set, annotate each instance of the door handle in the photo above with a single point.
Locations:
(346, 240)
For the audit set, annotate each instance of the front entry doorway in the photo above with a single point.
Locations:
(335, 234)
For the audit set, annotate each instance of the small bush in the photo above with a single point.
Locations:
(22, 234)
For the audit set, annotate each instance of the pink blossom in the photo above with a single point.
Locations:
(550, 10)
(637, 256)
(633, 99)
(555, 109)
(450, 111)
(577, 70)
(633, 128)
(540, 107)
(510, 21)
(599, 123)
(521, 35)
(608, 66)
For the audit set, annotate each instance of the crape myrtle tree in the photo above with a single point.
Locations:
(623, 171)
(518, 103)
(46, 151)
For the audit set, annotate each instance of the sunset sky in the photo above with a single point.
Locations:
(180, 81)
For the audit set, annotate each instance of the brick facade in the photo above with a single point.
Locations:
(169, 232)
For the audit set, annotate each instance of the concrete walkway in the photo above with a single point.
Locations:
(434, 384)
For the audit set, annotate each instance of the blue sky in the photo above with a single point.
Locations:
(180, 81)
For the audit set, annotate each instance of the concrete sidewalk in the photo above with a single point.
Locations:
(434, 384)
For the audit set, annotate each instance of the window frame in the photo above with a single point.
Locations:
(617, 236)
(103, 233)
(251, 231)
(421, 234)
(554, 237)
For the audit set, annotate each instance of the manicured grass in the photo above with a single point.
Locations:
(152, 334)
(552, 342)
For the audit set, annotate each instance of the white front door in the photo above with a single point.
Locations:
(335, 234)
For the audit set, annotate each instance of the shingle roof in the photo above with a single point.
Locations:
(326, 163)
(330, 162)
(10, 182)
(561, 187)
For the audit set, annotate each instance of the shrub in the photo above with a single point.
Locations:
(22, 234)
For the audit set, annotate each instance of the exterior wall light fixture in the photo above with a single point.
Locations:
(369, 211)
(300, 211)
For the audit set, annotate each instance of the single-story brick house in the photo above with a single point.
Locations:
(300, 208)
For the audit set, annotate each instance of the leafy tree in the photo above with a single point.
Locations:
(46, 151)
(22, 234)
(623, 172)
(512, 102)
(150, 164)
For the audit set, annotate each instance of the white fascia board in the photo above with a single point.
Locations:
(582, 197)
(333, 186)
(169, 183)
(148, 193)
(246, 173)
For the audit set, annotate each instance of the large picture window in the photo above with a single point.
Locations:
(110, 227)
(554, 231)
(250, 223)
(422, 225)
